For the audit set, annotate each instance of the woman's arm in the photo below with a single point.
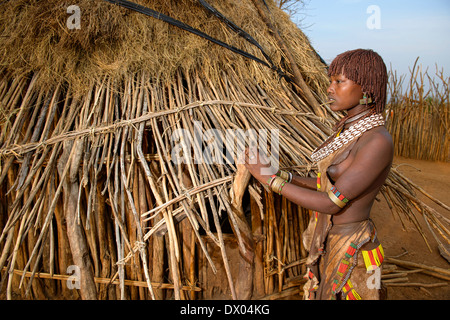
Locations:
(310, 199)
(302, 191)
(305, 182)
(373, 155)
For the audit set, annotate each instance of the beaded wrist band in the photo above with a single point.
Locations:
(339, 199)
(269, 182)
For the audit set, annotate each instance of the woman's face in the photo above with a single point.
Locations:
(343, 93)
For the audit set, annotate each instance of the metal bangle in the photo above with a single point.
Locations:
(284, 175)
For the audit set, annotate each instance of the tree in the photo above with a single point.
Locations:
(290, 6)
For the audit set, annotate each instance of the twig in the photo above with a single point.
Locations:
(99, 280)
(416, 284)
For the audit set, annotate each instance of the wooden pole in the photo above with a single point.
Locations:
(75, 232)
(298, 79)
(244, 281)
(433, 271)
(258, 235)
(100, 280)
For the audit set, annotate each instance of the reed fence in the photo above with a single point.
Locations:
(419, 114)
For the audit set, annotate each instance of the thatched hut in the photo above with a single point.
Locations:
(92, 203)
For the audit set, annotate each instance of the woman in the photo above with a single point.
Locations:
(344, 253)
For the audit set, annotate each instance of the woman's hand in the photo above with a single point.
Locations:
(258, 165)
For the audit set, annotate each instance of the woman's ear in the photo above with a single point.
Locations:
(366, 99)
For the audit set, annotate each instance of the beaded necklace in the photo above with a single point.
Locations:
(344, 138)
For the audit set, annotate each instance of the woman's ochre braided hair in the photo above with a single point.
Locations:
(366, 68)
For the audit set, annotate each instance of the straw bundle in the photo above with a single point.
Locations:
(90, 187)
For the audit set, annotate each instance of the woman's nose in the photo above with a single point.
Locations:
(330, 89)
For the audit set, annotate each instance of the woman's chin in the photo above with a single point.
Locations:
(334, 107)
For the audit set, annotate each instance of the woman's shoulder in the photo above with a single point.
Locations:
(376, 140)
(379, 134)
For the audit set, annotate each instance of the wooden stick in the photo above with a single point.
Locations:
(416, 284)
(394, 280)
(62, 277)
(433, 271)
(421, 190)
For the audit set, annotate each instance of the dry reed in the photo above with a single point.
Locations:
(419, 116)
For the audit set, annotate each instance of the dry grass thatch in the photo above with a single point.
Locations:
(87, 174)
(114, 41)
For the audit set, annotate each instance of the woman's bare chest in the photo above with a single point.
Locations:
(340, 164)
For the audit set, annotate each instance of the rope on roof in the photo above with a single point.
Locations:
(160, 16)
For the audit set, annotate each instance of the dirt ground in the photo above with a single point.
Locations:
(433, 177)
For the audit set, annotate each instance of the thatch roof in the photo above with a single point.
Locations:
(87, 121)
(114, 41)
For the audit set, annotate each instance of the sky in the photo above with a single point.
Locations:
(399, 30)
